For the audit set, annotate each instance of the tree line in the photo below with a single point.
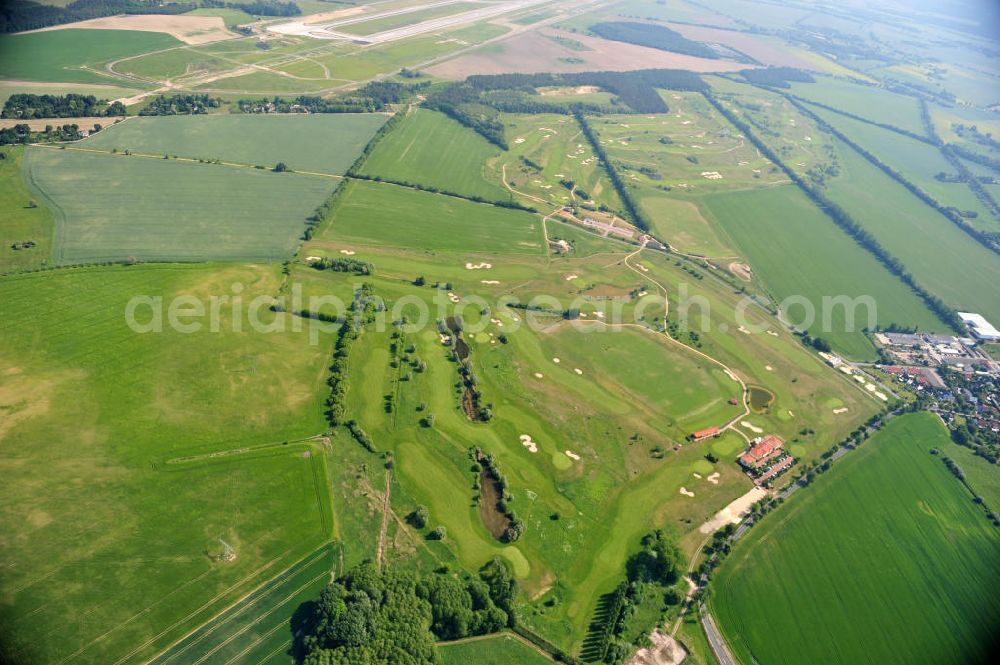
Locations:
(372, 97)
(258, 7)
(844, 220)
(361, 308)
(19, 15)
(950, 213)
(653, 36)
(776, 77)
(394, 615)
(189, 104)
(33, 107)
(23, 134)
(631, 209)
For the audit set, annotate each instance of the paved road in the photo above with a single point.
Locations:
(716, 641)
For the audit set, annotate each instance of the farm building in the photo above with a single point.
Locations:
(704, 434)
(980, 327)
(762, 450)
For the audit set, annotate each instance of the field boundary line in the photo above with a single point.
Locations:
(311, 557)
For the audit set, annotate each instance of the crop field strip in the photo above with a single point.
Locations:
(107, 363)
(816, 565)
(152, 209)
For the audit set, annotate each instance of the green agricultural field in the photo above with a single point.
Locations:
(122, 529)
(430, 149)
(917, 162)
(868, 102)
(118, 207)
(499, 650)
(256, 629)
(21, 221)
(172, 64)
(372, 213)
(73, 56)
(682, 225)
(801, 586)
(796, 250)
(322, 143)
(940, 256)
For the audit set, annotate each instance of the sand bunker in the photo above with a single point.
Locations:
(750, 426)
(713, 478)
(772, 333)
(571, 277)
(488, 281)
(528, 443)
(768, 368)
(734, 512)
(578, 370)
(452, 297)
(314, 258)
(841, 410)
(573, 456)
(696, 475)
(686, 492)
(538, 375)
(556, 360)
(478, 266)
(347, 252)
(664, 650)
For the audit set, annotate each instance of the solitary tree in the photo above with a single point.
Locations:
(280, 167)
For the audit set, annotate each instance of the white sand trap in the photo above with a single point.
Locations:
(841, 410)
(881, 396)
(445, 339)
(859, 379)
(768, 368)
(556, 360)
(743, 330)
(314, 258)
(696, 475)
(578, 370)
(571, 277)
(790, 414)
(686, 492)
(488, 281)
(452, 297)
(734, 512)
(599, 315)
(347, 252)
(573, 456)
(478, 266)
(528, 443)
(538, 375)
(750, 426)
(713, 478)
(519, 140)
(496, 322)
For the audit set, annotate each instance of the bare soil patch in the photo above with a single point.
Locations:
(188, 29)
(664, 650)
(752, 46)
(741, 270)
(38, 125)
(529, 53)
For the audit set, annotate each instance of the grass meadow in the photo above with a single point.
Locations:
(371, 213)
(500, 650)
(884, 559)
(556, 144)
(116, 207)
(21, 221)
(428, 148)
(795, 250)
(120, 531)
(612, 399)
(73, 56)
(323, 143)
